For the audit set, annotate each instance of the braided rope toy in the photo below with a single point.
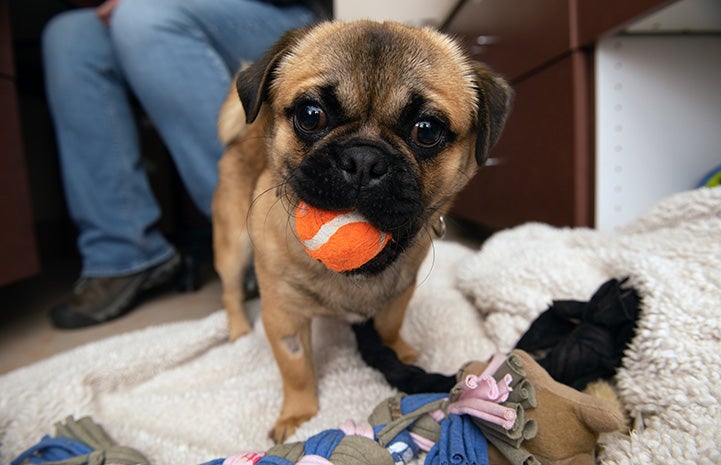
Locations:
(505, 411)
(452, 428)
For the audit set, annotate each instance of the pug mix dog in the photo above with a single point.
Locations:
(385, 119)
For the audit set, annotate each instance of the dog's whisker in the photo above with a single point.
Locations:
(432, 252)
(254, 202)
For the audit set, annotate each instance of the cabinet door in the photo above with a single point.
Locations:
(598, 18)
(18, 254)
(544, 157)
(513, 36)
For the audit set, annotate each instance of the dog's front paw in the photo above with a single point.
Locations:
(285, 427)
(238, 326)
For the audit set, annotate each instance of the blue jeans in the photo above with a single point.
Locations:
(178, 58)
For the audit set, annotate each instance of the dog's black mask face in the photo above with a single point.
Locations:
(369, 176)
(365, 175)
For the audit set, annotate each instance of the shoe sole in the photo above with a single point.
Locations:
(162, 273)
(125, 300)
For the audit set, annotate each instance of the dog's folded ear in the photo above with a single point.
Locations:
(253, 81)
(495, 97)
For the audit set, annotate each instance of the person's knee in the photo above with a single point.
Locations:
(136, 24)
(72, 40)
(65, 33)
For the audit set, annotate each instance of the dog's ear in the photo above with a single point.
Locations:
(495, 97)
(253, 81)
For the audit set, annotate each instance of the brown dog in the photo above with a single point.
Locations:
(386, 119)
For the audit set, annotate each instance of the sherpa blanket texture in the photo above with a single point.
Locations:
(181, 394)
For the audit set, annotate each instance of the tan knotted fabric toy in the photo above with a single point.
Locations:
(568, 421)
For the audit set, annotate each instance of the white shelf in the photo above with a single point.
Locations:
(658, 120)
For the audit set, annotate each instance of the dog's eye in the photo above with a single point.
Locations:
(427, 133)
(309, 118)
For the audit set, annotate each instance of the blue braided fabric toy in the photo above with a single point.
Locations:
(79, 442)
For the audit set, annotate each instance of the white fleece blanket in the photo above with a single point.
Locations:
(181, 394)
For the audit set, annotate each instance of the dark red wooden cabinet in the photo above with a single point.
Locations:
(545, 158)
(18, 249)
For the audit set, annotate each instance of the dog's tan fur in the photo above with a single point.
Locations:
(374, 70)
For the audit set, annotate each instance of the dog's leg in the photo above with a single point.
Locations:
(289, 335)
(238, 171)
(388, 323)
(231, 267)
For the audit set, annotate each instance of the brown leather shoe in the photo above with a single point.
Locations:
(97, 300)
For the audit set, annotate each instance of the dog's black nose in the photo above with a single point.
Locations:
(362, 165)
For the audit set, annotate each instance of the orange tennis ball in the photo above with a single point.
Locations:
(341, 240)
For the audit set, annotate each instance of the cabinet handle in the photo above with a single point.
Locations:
(481, 43)
(484, 40)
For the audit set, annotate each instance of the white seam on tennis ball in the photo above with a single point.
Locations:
(381, 241)
(331, 227)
